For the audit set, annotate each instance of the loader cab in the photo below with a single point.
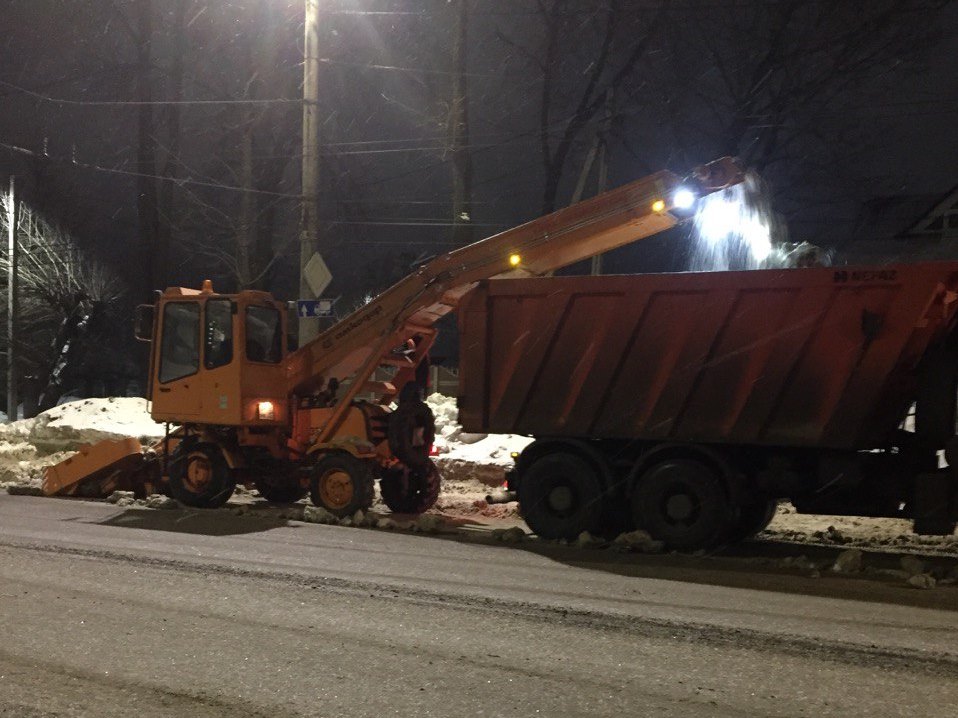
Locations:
(217, 358)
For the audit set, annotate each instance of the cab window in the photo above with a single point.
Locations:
(264, 335)
(218, 334)
(180, 350)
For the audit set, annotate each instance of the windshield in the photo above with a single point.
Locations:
(218, 337)
(180, 353)
(264, 337)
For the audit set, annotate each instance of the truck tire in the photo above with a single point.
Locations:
(199, 475)
(342, 484)
(560, 496)
(683, 503)
(753, 517)
(280, 489)
(411, 431)
(410, 491)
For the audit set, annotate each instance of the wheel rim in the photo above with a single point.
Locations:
(681, 507)
(561, 500)
(199, 472)
(336, 488)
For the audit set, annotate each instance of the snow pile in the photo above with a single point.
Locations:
(470, 457)
(29, 445)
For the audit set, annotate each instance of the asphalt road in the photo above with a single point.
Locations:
(117, 612)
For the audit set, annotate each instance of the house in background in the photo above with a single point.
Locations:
(905, 228)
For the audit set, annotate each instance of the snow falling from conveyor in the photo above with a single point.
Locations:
(733, 229)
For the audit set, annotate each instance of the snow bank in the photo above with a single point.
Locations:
(470, 457)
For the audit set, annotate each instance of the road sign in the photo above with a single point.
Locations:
(317, 274)
(315, 307)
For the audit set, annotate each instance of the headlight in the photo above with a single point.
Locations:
(266, 411)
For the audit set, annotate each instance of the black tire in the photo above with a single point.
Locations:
(199, 475)
(410, 491)
(342, 484)
(683, 503)
(560, 496)
(753, 517)
(411, 431)
(280, 490)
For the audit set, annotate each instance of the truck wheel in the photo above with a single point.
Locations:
(342, 484)
(280, 489)
(683, 503)
(753, 517)
(200, 476)
(410, 491)
(560, 496)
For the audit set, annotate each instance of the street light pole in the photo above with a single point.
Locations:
(309, 219)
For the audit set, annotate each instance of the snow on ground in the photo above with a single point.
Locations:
(472, 466)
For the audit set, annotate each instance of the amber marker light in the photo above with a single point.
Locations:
(515, 260)
(658, 205)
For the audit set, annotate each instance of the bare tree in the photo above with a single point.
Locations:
(63, 296)
(581, 56)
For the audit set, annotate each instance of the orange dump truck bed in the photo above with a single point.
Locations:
(820, 357)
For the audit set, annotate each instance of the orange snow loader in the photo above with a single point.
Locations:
(247, 410)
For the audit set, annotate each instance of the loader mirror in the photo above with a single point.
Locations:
(143, 322)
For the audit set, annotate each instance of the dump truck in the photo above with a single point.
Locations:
(241, 408)
(688, 404)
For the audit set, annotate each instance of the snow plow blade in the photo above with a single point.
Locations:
(96, 469)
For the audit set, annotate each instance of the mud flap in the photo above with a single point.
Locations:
(935, 504)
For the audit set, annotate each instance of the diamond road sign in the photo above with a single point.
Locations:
(317, 275)
(315, 307)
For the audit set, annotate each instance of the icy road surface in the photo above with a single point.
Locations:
(117, 612)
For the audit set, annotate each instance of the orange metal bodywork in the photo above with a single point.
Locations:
(816, 357)
(105, 463)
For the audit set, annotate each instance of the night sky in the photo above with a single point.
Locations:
(861, 98)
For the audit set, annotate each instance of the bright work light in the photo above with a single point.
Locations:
(683, 198)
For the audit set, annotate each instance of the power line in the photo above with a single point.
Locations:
(130, 173)
(139, 103)
(397, 68)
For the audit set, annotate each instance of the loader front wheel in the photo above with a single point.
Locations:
(200, 476)
(342, 484)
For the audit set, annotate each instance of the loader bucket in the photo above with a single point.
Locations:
(96, 469)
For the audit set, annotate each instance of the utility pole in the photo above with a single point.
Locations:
(309, 219)
(12, 300)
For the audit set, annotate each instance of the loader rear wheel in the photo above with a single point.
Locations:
(342, 484)
(200, 476)
(560, 496)
(410, 491)
(683, 503)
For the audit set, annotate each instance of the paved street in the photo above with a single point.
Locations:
(115, 612)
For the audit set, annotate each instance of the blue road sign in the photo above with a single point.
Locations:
(315, 307)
